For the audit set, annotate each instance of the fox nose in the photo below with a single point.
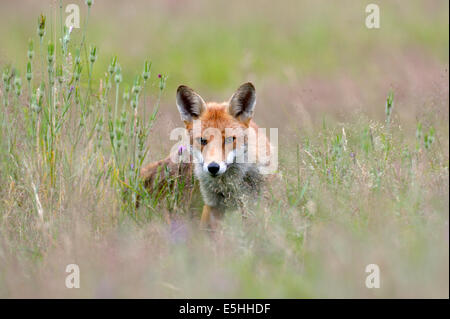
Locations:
(213, 168)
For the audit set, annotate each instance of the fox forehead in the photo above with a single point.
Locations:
(217, 116)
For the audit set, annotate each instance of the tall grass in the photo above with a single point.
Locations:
(60, 111)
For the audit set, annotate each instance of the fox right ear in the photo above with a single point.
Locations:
(242, 103)
(190, 104)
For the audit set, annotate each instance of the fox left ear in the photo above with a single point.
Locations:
(242, 103)
(190, 104)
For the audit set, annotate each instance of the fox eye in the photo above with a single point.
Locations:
(202, 141)
(230, 139)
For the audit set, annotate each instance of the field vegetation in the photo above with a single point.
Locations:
(362, 118)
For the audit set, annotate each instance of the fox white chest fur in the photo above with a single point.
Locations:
(239, 185)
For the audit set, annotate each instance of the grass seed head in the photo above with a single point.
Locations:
(41, 27)
(18, 85)
(29, 74)
(30, 52)
(93, 54)
(137, 85)
(112, 66)
(146, 72)
(50, 52)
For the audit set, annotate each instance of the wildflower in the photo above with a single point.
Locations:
(353, 157)
(181, 149)
(162, 82)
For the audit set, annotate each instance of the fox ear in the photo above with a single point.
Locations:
(242, 103)
(190, 104)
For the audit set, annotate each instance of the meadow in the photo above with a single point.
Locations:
(362, 117)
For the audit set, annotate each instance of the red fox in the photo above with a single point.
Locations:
(220, 148)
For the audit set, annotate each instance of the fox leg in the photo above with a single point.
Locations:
(210, 217)
(206, 216)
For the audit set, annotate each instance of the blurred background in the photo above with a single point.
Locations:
(309, 60)
(316, 69)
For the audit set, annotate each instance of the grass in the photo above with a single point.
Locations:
(363, 154)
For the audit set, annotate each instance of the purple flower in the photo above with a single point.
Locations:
(181, 149)
(132, 166)
(159, 76)
(71, 88)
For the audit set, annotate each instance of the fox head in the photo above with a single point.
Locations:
(221, 135)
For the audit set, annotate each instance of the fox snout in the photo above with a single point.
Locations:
(215, 169)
